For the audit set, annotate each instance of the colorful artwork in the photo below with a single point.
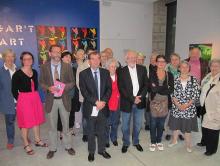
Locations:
(83, 38)
(47, 36)
(206, 50)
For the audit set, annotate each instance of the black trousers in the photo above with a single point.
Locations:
(96, 126)
(210, 138)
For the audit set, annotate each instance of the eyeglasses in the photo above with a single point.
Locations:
(161, 61)
(27, 59)
(55, 52)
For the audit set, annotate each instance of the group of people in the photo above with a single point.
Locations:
(94, 91)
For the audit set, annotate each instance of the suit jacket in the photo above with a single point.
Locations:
(46, 80)
(126, 89)
(7, 104)
(88, 90)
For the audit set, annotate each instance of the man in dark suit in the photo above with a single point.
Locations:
(95, 86)
(133, 87)
(55, 70)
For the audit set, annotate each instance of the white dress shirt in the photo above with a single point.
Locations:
(134, 79)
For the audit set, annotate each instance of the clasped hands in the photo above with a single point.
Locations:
(137, 99)
(100, 104)
(181, 107)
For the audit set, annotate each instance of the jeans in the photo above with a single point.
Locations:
(10, 127)
(137, 122)
(112, 126)
(156, 129)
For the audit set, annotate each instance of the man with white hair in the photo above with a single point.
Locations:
(133, 87)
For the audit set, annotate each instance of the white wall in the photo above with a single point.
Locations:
(198, 21)
(126, 25)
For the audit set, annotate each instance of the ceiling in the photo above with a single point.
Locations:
(128, 1)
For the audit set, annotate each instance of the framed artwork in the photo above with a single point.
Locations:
(83, 38)
(206, 50)
(47, 36)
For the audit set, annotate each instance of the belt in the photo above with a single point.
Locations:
(57, 97)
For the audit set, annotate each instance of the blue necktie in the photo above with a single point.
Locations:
(96, 83)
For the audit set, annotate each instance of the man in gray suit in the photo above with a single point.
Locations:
(55, 70)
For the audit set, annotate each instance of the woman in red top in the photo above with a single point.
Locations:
(113, 120)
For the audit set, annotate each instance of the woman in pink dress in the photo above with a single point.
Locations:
(29, 106)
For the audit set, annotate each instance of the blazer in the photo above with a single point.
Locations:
(88, 90)
(7, 104)
(126, 88)
(46, 80)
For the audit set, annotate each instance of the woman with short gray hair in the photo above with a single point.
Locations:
(183, 113)
(7, 101)
(210, 102)
(113, 120)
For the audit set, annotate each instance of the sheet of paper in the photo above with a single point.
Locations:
(95, 111)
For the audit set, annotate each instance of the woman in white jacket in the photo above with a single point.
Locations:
(209, 99)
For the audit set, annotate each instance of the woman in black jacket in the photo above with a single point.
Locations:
(161, 86)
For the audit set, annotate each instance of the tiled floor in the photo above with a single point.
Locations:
(169, 157)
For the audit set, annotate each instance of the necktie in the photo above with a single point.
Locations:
(96, 83)
(56, 74)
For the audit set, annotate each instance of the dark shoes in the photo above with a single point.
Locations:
(168, 137)
(85, 138)
(147, 127)
(200, 144)
(50, 154)
(115, 143)
(107, 145)
(124, 149)
(181, 137)
(139, 148)
(105, 155)
(209, 153)
(91, 157)
(71, 151)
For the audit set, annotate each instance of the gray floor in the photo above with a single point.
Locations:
(169, 157)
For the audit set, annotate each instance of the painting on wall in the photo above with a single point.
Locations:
(83, 38)
(47, 36)
(206, 50)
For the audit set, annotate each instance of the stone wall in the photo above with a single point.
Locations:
(159, 27)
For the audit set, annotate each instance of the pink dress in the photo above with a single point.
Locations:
(29, 109)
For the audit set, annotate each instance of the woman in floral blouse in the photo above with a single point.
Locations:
(183, 114)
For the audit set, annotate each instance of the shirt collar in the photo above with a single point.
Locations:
(132, 68)
(97, 70)
(59, 64)
(6, 68)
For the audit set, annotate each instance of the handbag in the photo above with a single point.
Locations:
(159, 106)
